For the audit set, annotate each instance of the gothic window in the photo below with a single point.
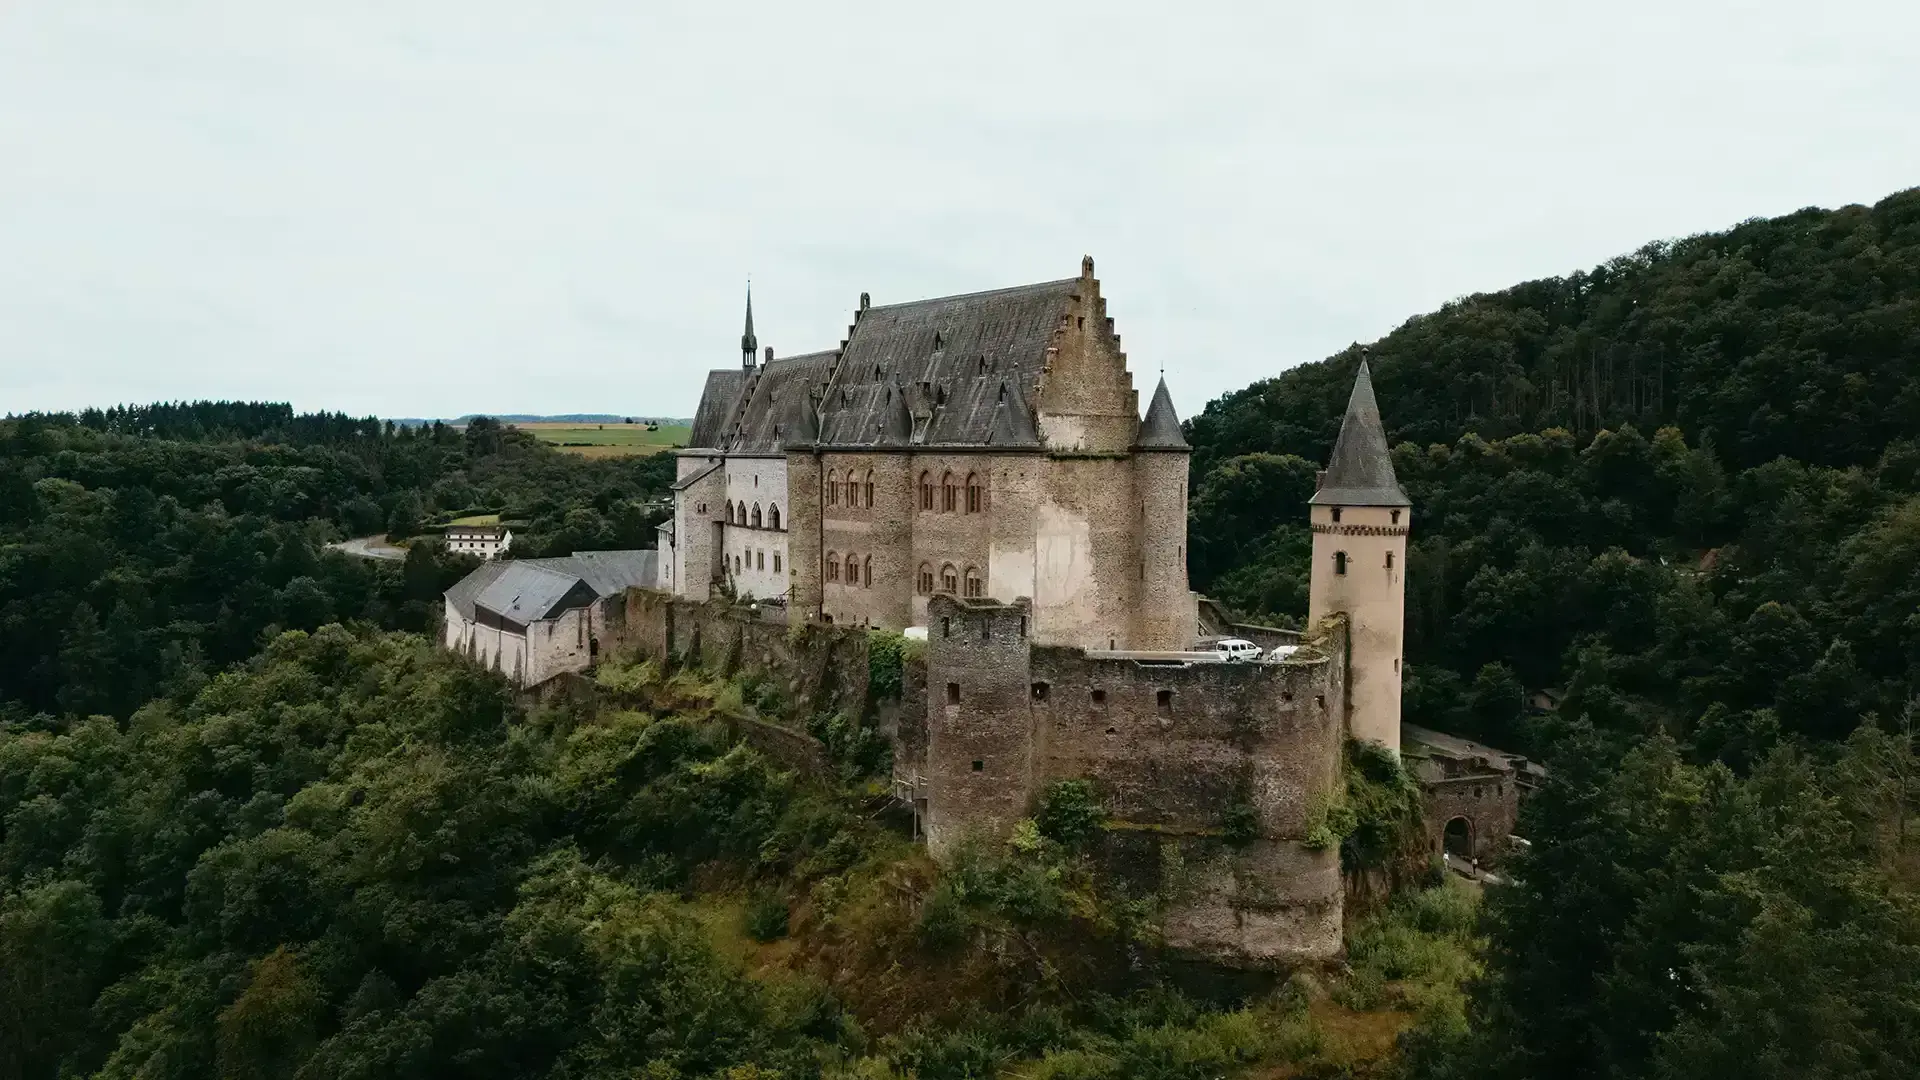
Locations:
(868, 493)
(1339, 562)
(833, 488)
(773, 516)
(926, 491)
(976, 495)
(949, 579)
(974, 588)
(949, 494)
(853, 570)
(736, 564)
(756, 515)
(853, 493)
(866, 571)
(730, 520)
(926, 579)
(743, 512)
(833, 566)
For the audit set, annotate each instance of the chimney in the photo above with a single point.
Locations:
(1086, 266)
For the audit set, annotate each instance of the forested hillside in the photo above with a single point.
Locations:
(1683, 489)
(166, 542)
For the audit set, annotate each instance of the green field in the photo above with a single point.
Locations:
(609, 440)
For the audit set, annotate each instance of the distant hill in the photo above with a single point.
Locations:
(557, 418)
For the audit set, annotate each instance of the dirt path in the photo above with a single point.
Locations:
(370, 547)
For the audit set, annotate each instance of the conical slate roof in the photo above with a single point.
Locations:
(1161, 429)
(1361, 470)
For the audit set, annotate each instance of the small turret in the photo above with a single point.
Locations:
(1360, 518)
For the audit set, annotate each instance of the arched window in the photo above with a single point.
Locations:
(853, 570)
(773, 516)
(869, 491)
(833, 566)
(974, 585)
(949, 494)
(756, 515)
(926, 578)
(949, 579)
(743, 512)
(1339, 562)
(866, 571)
(926, 491)
(976, 494)
(833, 488)
(730, 520)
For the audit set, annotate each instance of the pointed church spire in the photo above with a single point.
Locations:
(1161, 429)
(1360, 472)
(748, 343)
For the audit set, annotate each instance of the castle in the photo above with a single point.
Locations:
(976, 468)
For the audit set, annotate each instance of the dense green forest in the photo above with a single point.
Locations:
(252, 824)
(1683, 490)
(167, 542)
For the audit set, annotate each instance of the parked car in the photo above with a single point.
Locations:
(1237, 650)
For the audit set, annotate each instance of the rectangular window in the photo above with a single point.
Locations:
(979, 766)
(776, 562)
(953, 693)
(1099, 697)
(1164, 700)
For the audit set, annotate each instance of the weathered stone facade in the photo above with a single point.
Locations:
(915, 465)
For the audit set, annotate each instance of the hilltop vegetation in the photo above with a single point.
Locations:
(161, 544)
(238, 839)
(1684, 489)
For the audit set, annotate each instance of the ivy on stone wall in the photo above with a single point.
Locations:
(887, 655)
(1373, 815)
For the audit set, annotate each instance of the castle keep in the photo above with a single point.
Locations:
(986, 446)
(977, 468)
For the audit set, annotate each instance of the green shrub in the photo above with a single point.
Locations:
(766, 917)
(887, 652)
(943, 921)
(1070, 813)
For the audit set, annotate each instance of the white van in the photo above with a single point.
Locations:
(1236, 650)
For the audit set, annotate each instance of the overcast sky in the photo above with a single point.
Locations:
(430, 207)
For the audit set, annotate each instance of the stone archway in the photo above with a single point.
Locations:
(1457, 838)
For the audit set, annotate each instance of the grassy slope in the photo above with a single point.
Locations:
(609, 440)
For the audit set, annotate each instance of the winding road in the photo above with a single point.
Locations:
(370, 547)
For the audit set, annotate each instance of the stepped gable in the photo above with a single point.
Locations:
(768, 410)
(718, 402)
(1360, 473)
(1161, 429)
(951, 354)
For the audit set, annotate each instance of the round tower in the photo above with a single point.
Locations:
(1164, 615)
(1360, 517)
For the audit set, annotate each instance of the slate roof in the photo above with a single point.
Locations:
(1161, 429)
(760, 427)
(468, 588)
(951, 355)
(717, 403)
(525, 590)
(1360, 472)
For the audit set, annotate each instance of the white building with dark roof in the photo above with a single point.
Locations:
(533, 619)
(484, 541)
